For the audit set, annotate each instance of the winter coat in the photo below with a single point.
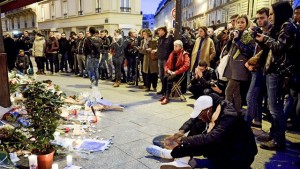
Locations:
(63, 45)
(52, 45)
(281, 37)
(207, 53)
(229, 144)
(39, 46)
(117, 48)
(240, 50)
(22, 59)
(208, 75)
(164, 47)
(149, 65)
(182, 64)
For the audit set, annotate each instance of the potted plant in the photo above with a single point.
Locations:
(43, 111)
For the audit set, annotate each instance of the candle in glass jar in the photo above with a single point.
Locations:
(69, 160)
(54, 166)
(33, 162)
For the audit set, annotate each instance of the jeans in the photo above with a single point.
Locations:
(131, 68)
(102, 65)
(64, 61)
(233, 94)
(118, 66)
(161, 69)
(40, 62)
(53, 60)
(274, 89)
(255, 97)
(92, 68)
(292, 105)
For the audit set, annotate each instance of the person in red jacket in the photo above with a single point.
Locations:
(178, 63)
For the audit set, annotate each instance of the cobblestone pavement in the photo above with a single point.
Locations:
(143, 118)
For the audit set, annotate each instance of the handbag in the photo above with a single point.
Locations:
(222, 65)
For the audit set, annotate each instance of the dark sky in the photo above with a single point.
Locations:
(149, 6)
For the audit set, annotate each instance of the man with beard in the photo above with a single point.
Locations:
(52, 47)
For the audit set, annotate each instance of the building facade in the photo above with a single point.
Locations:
(79, 15)
(163, 16)
(197, 13)
(149, 21)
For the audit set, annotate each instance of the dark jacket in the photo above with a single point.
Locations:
(105, 45)
(22, 59)
(117, 48)
(229, 145)
(281, 37)
(63, 45)
(80, 46)
(208, 75)
(130, 49)
(25, 43)
(240, 51)
(164, 47)
(91, 46)
(52, 45)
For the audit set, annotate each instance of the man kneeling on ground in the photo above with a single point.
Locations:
(227, 141)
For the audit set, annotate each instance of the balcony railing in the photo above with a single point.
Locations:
(80, 12)
(125, 9)
(98, 10)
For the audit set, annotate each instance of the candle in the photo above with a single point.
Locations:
(54, 166)
(33, 162)
(69, 160)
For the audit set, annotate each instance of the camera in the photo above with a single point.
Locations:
(255, 31)
(213, 83)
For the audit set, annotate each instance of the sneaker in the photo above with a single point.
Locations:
(180, 163)
(156, 151)
(273, 146)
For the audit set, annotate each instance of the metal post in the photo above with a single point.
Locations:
(178, 20)
(4, 87)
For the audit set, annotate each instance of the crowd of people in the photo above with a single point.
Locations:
(261, 70)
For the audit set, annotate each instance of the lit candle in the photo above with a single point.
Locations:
(33, 162)
(54, 166)
(69, 160)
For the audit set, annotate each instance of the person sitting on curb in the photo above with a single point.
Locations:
(178, 63)
(227, 141)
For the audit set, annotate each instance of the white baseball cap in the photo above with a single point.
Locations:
(202, 103)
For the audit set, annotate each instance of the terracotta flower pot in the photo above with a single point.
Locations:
(45, 161)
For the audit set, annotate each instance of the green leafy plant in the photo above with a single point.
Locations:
(13, 139)
(42, 106)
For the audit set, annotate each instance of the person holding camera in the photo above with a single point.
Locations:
(204, 81)
(240, 47)
(255, 65)
(277, 69)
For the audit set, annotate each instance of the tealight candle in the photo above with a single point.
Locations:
(69, 160)
(33, 162)
(54, 166)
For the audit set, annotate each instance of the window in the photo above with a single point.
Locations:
(80, 12)
(33, 21)
(52, 8)
(12, 23)
(125, 6)
(98, 9)
(42, 13)
(25, 23)
(65, 8)
(6, 25)
(18, 23)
